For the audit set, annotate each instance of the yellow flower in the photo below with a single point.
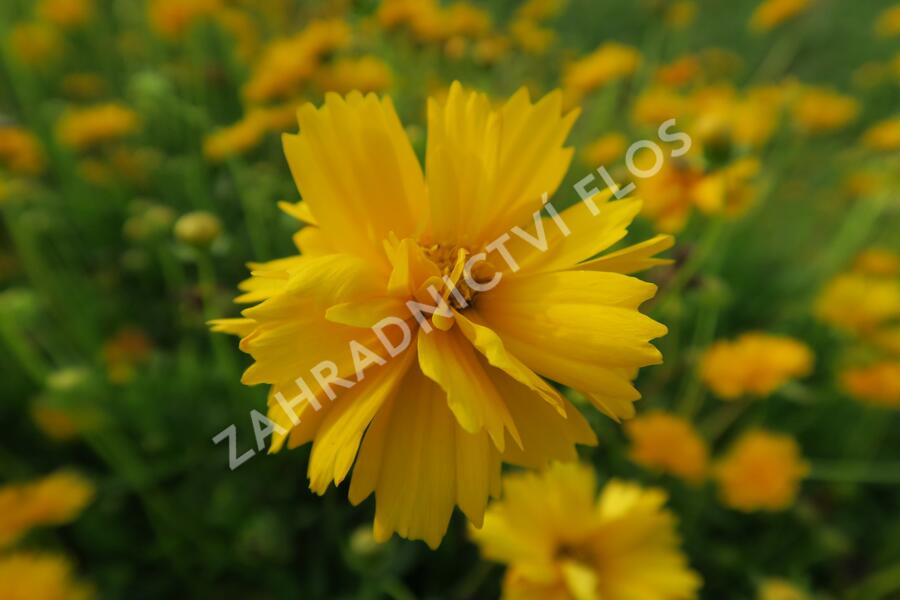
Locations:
(287, 63)
(729, 190)
(55, 423)
(680, 71)
(771, 13)
(29, 576)
(238, 138)
(877, 262)
(609, 62)
(877, 384)
(423, 18)
(779, 589)
(84, 128)
(35, 44)
(466, 20)
(657, 104)
(20, 151)
(884, 135)
(172, 19)
(127, 349)
(761, 471)
(83, 86)
(859, 303)
(66, 13)
(243, 30)
(680, 14)
(605, 150)
(888, 22)
(540, 10)
(819, 110)
(561, 541)
(463, 393)
(491, 49)
(531, 37)
(668, 443)
(54, 500)
(365, 74)
(198, 228)
(670, 194)
(754, 364)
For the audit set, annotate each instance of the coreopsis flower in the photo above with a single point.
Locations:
(237, 138)
(884, 135)
(421, 18)
(681, 71)
(754, 364)
(859, 303)
(877, 262)
(657, 104)
(610, 62)
(53, 500)
(667, 443)
(30, 576)
(779, 589)
(605, 150)
(35, 44)
(560, 540)
(670, 194)
(877, 384)
(173, 19)
(85, 128)
(66, 13)
(540, 10)
(530, 36)
(761, 471)
(821, 110)
(365, 74)
(771, 13)
(729, 190)
(20, 151)
(680, 14)
(403, 267)
(888, 22)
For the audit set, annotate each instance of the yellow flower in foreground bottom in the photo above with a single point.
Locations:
(779, 589)
(53, 500)
(27, 576)
(561, 541)
(754, 364)
(762, 471)
(668, 443)
(456, 387)
(877, 384)
(84, 128)
(772, 13)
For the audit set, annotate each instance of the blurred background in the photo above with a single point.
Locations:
(141, 169)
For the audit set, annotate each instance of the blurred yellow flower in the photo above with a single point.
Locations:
(540, 10)
(491, 49)
(888, 22)
(820, 110)
(237, 138)
(66, 13)
(668, 443)
(670, 194)
(53, 500)
(464, 19)
(779, 589)
(35, 44)
(680, 14)
(560, 540)
(657, 104)
(877, 384)
(884, 135)
(29, 576)
(605, 150)
(287, 63)
(761, 471)
(754, 364)
(730, 190)
(172, 19)
(468, 393)
(55, 423)
(365, 74)
(609, 62)
(771, 13)
(124, 351)
(199, 228)
(859, 303)
(531, 37)
(878, 262)
(681, 71)
(242, 27)
(84, 128)
(20, 151)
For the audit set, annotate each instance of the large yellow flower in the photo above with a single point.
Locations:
(561, 541)
(439, 336)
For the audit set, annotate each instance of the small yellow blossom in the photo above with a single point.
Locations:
(365, 74)
(877, 384)
(729, 190)
(531, 36)
(680, 14)
(772, 13)
(491, 49)
(820, 110)
(53, 500)
(123, 352)
(879, 262)
(670, 194)
(605, 150)
(859, 303)
(84, 128)
(172, 19)
(667, 443)
(20, 151)
(55, 423)
(884, 135)
(888, 22)
(198, 228)
(761, 471)
(540, 10)
(28, 576)
(657, 104)
(35, 44)
(754, 364)
(609, 62)
(66, 13)
(560, 540)
(779, 589)
(249, 132)
(680, 71)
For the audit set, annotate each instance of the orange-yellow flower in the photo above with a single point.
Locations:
(29, 576)
(605, 150)
(859, 303)
(665, 442)
(174, 18)
(609, 62)
(35, 44)
(754, 364)
(66, 13)
(365, 74)
(771, 13)
(821, 110)
(888, 22)
(20, 151)
(877, 384)
(761, 471)
(84, 128)
(53, 500)
(884, 135)
(561, 541)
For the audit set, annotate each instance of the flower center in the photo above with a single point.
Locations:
(459, 274)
